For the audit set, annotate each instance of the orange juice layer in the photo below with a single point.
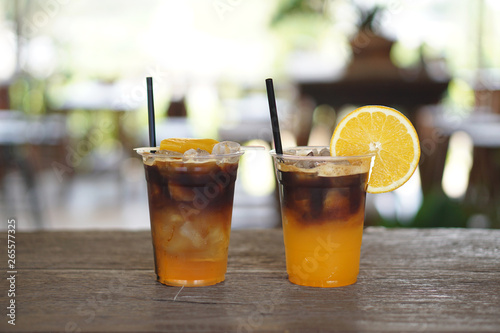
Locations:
(174, 271)
(323, 255)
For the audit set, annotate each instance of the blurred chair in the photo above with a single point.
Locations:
(434, 131)
(487, 91)
(483, 191)
(482, 196)
(14, 157)
(30, 145)
(4, 97)
(175, 124)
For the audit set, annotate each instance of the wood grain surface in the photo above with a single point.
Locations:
(436, 280)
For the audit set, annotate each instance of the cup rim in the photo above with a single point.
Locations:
(148, 151)
(319, 158)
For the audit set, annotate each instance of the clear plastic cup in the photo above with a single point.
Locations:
(190, 208)
(323, 208)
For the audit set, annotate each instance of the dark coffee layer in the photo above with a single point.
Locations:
(315, 199)
(196, 185)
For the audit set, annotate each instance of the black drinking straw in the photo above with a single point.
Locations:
(274, 116)
(151, 113)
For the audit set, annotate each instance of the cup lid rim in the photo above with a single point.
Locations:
(290, 156)
(151, 151)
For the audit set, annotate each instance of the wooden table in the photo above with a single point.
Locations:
(410, 280)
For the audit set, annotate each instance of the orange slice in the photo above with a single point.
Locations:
(385, 132)
(182, 145)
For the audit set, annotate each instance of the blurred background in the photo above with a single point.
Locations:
(73, 99)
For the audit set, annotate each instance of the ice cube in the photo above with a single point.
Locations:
(202, 152)
(189, 231)
(306, 164)
(313, 152)
(169, 153)
(190, 153)
(148, 159)
(324, 152)
(218, 241)
(216, 234)
(337, 203)
(181, 193)
(177, 244)
(194, 153)
(226, 147)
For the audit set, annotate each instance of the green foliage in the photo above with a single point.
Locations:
(28, 95)
(293, 8)
(437, 211)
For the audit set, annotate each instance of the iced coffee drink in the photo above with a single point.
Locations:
(323, 209)
(190, 190)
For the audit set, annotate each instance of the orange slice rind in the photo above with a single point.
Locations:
(182, 145)
(385, 132)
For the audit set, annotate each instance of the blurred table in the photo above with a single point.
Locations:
(411, 280)
(404, 94)
(409, 95)
(107, 106)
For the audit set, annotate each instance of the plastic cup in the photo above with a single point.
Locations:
(190, 209)
(323, 207)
